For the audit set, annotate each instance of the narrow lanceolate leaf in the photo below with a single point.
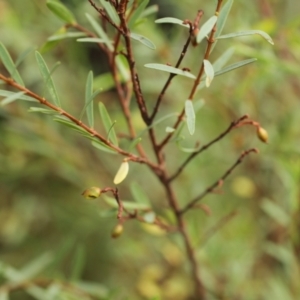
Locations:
(89, 99)
(100, 32)
(23, 55)
(9, 65)
(67, 35)
(190, 116)
(206, 28)
(152, 9)
(21, 97)
(47, 78)
(223, 17)
(122, 172)
(170, 69)
(103, 147)
(145, 41)
(248, 32)
(137, 13)
(61, 11)
(91, 40)
(108, 124)
(11, 98)
(223, 59)
(235, 66)
(209, 72)
(172, 21)
(43, 110)
(110, 10)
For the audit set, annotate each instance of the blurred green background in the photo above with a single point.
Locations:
(248, 243)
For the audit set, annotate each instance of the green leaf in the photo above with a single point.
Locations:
(223, 59)
(172, 21)
(139, 194)
(137, 13)
(223, 17)
(126, 204)
(170, 129)
(209, 72)
(70, 124)
(22, 97)
(4, 295)
(67, 35)
(89, 99)
(78, 262)
(248, 32)
(149, 217)
(149, 11)
(187, 150)
(108, 124)
(13, 97)
(103, 147)
(49, 45)
(110, 11)
(91, 40)
(104, 82)
(235, 66)
(23, 55)
(43, 110)
(123, 67)
(206, 28)
(170, 69)
(190, 116)
(100, 32)
(61, 11)
(145, 41)
(47, 78)
(9, 65)
(276, 212)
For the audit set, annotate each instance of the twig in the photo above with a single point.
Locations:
(211, 188)
(205, 147)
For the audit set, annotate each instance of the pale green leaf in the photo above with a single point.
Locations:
(134, 143)
(123, 67)
(111, 12)
(67, 35)
(103, 147)
(170, 69)
(235, 66)
(248, 32)
(22, 97)
(209, 72)
(149, 217)
(276, 212)
(61, 11)
(91, 40)
(4, 295)
(137, 13)
(9, 65)
(13, 97)
(145, 41)
(190, 116)
(172, 21)
(223, 59)
(104, 82)
(23, 55)
(108, 124)
(47, 78)
(70, 124)
(206, 28)
(43, 110)
(170, 129)
(223, 17)
(138, 194)
(100, 32)
(152, 9)
(78, 262)
(89, 104)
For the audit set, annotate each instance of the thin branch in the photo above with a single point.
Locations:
(210, 42)
(219, 182)
(205, 147)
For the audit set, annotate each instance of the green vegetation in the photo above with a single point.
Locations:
(196, 213)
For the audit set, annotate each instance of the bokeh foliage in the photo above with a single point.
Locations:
(248, 240)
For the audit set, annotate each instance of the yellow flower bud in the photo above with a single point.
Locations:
(122, 172)
(92, 193)
(117, 231)
(262, 134)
